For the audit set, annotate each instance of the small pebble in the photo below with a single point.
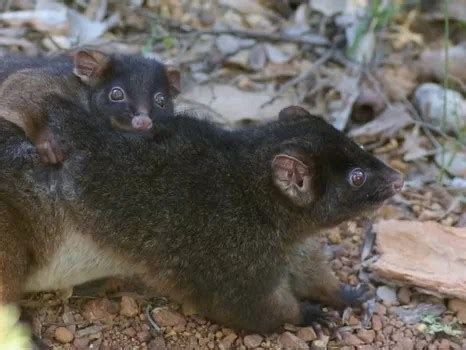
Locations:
(376, 322)
(252, 341)
(307, 334)
(404, 295)
(290, 341)
(63, 335)
(128, 307)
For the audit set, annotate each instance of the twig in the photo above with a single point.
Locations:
(315, 40)
(152, 324)
(303, 76)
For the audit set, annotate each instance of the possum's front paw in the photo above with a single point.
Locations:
(355, 296)
(312, 314)
(47, 147)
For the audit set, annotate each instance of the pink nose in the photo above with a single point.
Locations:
(141, 123)
(398, 185)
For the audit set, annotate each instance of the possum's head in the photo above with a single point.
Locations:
(130, 90)
(324, 174)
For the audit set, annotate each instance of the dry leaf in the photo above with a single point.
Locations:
(432, 63)
(398, 82)
(387, 124)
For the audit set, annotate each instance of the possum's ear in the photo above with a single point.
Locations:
(293, 113)
(90, 65)
(293, 178)
(174, 80)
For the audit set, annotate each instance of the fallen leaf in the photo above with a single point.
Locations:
(328, 7)
(392, 119)
(432, 63)
(398, 81)
(235, 105)
(341, 99)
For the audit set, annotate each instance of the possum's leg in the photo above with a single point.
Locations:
(268, 312)
(13, 257)
(23, 101)
(313, 279)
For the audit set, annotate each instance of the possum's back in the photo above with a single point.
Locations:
(13, 62)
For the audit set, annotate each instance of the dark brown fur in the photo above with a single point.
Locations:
(206, 216)
(85, 79)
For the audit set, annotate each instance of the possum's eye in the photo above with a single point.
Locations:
(357, 177)
(117, 94)
(159, 100)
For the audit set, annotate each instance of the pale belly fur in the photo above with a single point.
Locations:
(77, 260)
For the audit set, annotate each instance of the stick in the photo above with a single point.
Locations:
(303, 76)
(315, 40)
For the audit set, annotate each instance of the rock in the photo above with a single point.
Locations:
(252, 341)
(91, 330)
(334, 236)
(366, 335)
(458, 306)
(387, 294)
(157, 344)
(353, 321)
(129, 307)
(228, 340)
(380, 309)
(417, 253)
(351, 339)
(415, 314)
(397, 336)
(452, 160)
(130, 332)
(227, 44)
(63, 335)
(429, 98)
(318, 345)
(144, 336)
(406, 344)
(404, 295)
(290, 341)
(307, 334)
(166, 317)
(444, 345)
(81, 344)
(102, 310)
(376, 322)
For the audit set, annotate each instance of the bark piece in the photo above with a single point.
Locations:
(423, 254)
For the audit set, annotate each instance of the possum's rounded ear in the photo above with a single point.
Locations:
(174, 80)
(293, 177)
(90, 65)
(293, 113)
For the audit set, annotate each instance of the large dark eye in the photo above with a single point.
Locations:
(117, 94)
(159, 99)
(357, 177)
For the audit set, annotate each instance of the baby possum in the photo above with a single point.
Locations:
(130, 90)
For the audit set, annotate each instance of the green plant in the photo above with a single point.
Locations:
(13, 335)
(432, 325)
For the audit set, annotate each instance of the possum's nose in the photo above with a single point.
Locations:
(141, 121)
(398, 185)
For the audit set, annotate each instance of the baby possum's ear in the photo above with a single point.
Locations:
(293, 177)
(90, 65)
(293, 113)
(174, 80)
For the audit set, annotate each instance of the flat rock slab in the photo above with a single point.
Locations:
(423, 254)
